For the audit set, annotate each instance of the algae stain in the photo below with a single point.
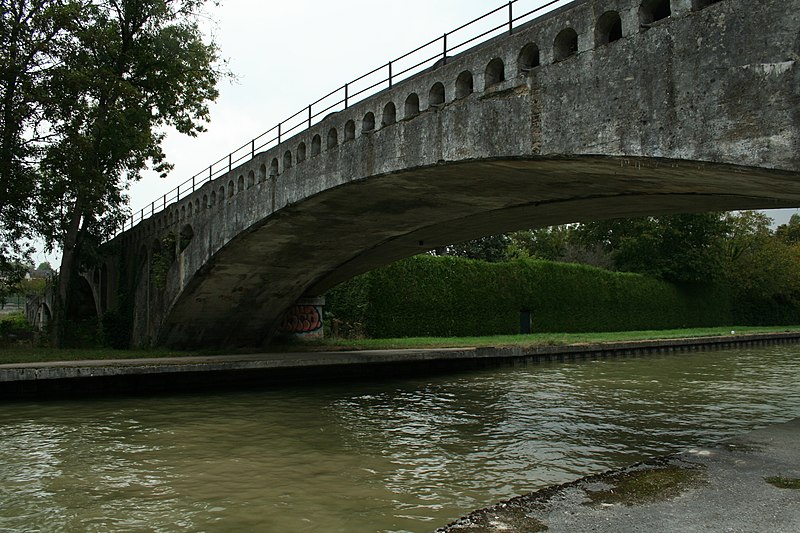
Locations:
(784, 482)
(647, 486)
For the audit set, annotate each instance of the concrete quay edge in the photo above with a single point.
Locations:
(32, 377)
(91, 368)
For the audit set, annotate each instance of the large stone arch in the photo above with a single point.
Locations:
(368, 223)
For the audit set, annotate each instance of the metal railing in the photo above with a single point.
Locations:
(380, 78)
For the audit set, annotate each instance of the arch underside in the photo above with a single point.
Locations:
(307, 248)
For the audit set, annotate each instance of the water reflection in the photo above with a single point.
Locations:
(393, 456)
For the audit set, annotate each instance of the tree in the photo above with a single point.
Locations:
(33, 34)
(492, 249)
(790, 233)
(557, 243)
(11, 275)
(678, 248)
(760, 265)
(130, 69)
(544, 243)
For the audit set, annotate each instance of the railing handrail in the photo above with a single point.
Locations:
(249, 149)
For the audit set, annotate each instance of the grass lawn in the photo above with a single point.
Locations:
(539, 339)
(29, 354)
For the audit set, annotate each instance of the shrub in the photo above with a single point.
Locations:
(449, 296)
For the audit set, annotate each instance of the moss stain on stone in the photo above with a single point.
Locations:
(647, 486)
(784, 482)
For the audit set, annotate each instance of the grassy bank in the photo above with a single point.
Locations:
(29, 354)
(542, 339)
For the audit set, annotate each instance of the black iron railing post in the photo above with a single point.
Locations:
(279, 132)
(390, 74)
(510, 18)
(252, 148)
(178, 195)
(444, 51)
(230, 162)
(309, 117)
(345, 96)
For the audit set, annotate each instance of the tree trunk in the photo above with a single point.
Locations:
(66, 276)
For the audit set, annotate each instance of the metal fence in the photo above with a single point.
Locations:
(499, 21)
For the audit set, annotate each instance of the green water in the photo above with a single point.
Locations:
(404, 455)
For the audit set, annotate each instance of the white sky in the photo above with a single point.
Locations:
(287, 54)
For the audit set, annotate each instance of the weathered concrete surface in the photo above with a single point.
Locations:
(719, 488)
(169, 374)
(697, 112)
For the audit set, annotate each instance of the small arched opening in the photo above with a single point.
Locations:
(411, 107)
(190, 211)
(205, 201)
(240, 182)
(565, 45)
(262, 173)
(197, 206)
(608, 28)
(82, 306)
(495, 73)
(183, 212)
(349, 130)
(230, 189)
(529, 58)
(287, 160)
(221, 194)
(273, 167)
(436, 95)
(368, 124)
(185, 237)
(389, 115)
(301, 152)
(213, 198)
(46, 317)
(651, 11)
(316, 145)
(333, 139)
(251, 179)
(464, 84)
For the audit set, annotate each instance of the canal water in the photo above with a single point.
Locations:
(402, 455)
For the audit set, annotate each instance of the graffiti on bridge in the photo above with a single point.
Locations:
(303, 320)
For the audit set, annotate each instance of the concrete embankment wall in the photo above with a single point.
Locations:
(203, 373)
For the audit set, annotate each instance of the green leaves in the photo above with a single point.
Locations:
(450, 296)
(86, 89)
(131, 68)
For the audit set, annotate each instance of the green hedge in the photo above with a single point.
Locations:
(448, 296)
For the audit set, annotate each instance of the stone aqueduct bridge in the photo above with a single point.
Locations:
(603, 108)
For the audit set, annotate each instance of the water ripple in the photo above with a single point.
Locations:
(399, 456)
